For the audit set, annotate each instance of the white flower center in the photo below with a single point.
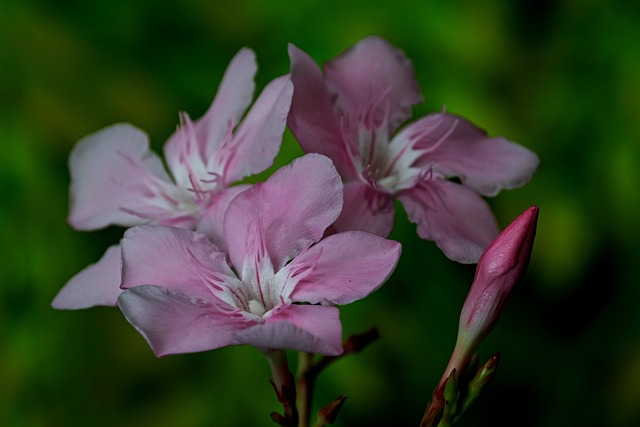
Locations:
(386, 165)
(256, 307)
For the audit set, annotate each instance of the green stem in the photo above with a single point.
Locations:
(306, 382)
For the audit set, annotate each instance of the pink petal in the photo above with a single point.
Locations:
(258, 138)
(172, 322)
(112, 174)
(374, 78)
(97, 284)
(366, 209)
(286, 214)
(454, 216)
(312, 119)
(309, 328)
(233, 98)
(187, 163)
(181, 260)
(212, 219)
(487, 165)
(344, 267)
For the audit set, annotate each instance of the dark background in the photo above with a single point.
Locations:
(561, 78)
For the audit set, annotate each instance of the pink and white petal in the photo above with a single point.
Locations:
(343, 267)
(97, 284)
(232, 100)
(312, 118)
(309, 328)
(211, 223)
(174, 323)
(374, 78)
(113, 173)
(257, 140)
(454, 216)
(366, 209)
(178, 259)
(286, 214)
(487, 165)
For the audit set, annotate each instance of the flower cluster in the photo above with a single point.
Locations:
(210, 261)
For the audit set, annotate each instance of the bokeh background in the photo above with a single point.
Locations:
(561, 78)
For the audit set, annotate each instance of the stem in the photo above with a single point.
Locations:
(285, 387)
(458, 361)
(308, 371)
(305, 384)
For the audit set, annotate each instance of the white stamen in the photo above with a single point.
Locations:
(255, 307)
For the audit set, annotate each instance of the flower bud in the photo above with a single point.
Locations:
(327, 415)
(499, 268)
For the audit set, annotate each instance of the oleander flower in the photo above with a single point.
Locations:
(438, 167)
(279, 293)
(116, 179)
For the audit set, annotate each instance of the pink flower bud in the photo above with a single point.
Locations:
(499, 268)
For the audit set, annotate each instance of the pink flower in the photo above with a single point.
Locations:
(182, 296)
(350, 115)
(116, 179)
(501, 265)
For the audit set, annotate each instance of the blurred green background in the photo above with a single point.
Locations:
(561, 78)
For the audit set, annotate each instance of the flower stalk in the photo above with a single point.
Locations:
(308, 371)
(305, 384)
(285, 387)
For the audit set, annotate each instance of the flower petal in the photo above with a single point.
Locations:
(212, 219)
(233, 98)
(376, 79)
(113, 173)
(454, 216)
(175, 323)
(312, 118)
(181, 260)
(459, 148)
(309, 328)
(97, 284)
(365, 209)
(344, 267)
(258, 138)
(286, 214)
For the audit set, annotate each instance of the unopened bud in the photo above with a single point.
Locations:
(499, 268)
(328, 414)
(451, 391)
(483, 376)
